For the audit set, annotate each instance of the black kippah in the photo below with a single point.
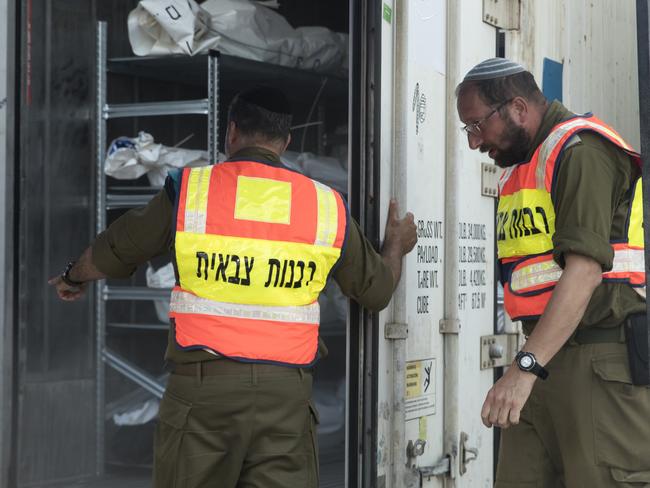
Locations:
(269, 98)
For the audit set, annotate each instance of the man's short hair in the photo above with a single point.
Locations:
(499, 90)
(262, 112)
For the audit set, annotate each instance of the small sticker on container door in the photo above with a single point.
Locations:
(388, 14)
(420, 388)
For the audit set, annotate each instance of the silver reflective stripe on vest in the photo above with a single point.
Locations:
(628, 261)
(183, 302)
(554, 138)
(548, 272)
(196, 205)
(505, 176)
(543, 273)
(327, 221)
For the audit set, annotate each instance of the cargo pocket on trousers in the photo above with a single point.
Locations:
(620, 416)
(168, 439)
(313, 432)
(631, 476)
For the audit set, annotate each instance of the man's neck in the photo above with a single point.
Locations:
(255, 152)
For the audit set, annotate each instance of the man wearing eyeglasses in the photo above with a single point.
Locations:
(575, 404)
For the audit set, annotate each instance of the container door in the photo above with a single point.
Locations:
(411, 369)
(432, 379)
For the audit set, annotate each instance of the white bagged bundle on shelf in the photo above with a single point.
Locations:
(172, 26)
(236, 27)
(324, 51)
(138, 414)
(129, 158)
(252, 31)
(161, 278)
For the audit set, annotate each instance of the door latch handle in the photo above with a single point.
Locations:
(467, 454)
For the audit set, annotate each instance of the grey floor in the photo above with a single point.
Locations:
(331, 476)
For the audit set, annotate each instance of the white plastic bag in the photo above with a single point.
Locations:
(129, 158)
(252, 31)
(161, 278)
(236, 27)
(139, 414)
(327, 170)
(171, 26)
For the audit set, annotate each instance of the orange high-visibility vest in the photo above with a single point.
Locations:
(254, 245)
(526, 224)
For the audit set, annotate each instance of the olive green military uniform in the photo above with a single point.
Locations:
(224, 423)
(586, 425)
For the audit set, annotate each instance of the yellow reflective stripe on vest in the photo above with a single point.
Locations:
(183, 302)
(635, 230)
(549, 272)
(196, 203)
(327, 224)
(525, 223)
(246, 270)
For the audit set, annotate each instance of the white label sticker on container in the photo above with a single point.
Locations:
(420, 388)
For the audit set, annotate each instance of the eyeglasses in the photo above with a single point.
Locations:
(475, 128)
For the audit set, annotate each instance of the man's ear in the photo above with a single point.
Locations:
(232, 134)
(519, 110)
(286, 144)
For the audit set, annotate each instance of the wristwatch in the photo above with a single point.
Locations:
(65, 276)
(526, 361)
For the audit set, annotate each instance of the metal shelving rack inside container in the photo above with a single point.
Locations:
(136, 196)
(223, 76)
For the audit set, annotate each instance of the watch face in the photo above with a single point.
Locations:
(526, 362)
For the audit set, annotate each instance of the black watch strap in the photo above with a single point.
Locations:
(65, 276)
(526, 361)
(539, 370)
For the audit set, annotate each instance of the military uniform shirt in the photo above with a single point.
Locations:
(591, 197)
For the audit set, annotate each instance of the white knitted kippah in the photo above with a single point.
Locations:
(493, 68)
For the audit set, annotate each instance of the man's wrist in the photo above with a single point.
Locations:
(391, 248)
(526, 362)
(65, 276)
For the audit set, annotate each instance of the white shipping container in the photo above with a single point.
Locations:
(446, 300)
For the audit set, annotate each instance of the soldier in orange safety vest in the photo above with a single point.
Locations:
(253, 244)
(573, 405)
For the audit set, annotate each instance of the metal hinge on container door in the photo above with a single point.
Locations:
(498, 350)
(503, 14)
(396, 331)
(449, 326)
(490, 180)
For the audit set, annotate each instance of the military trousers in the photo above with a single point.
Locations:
(586, 426)
(241, 426)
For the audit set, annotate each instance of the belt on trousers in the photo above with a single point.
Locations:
(596, 335)
(223, 366)
(208, 368)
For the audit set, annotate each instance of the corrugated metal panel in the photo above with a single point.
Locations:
(55, 405)
(7, 31)
(600, 74)
(57, 433)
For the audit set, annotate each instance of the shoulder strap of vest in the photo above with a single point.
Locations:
(548, 153)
